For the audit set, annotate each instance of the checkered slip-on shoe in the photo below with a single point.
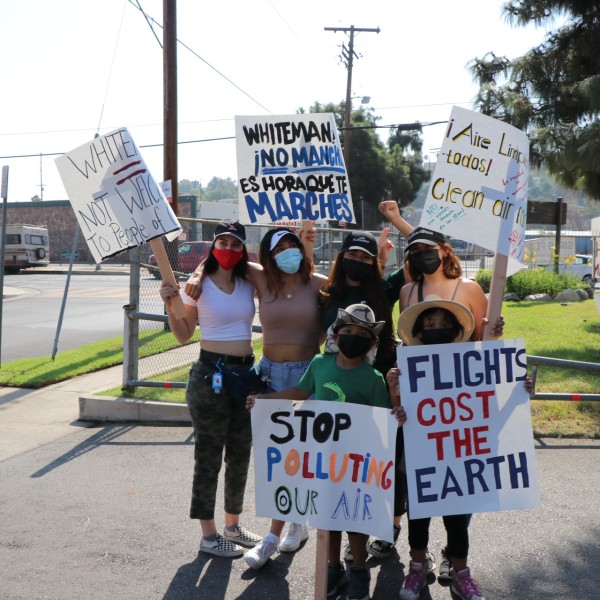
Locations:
(221, 547)
(240, 535)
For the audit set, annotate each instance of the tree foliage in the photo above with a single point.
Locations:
(377, 172)
(220, 189)
(553, 91)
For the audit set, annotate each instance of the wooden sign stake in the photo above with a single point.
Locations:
(164, 266)
(321, 564)
(496, 295)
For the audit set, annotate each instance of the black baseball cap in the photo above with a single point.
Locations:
(421, 235)
(360, 240)
(231, 228)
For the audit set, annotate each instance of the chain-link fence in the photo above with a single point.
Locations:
(146, 322)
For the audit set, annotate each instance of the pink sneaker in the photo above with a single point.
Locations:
(414, 582)
(464, 586)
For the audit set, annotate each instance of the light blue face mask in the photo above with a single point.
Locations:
(289, 260)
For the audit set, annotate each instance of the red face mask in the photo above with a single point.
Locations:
(228, 258)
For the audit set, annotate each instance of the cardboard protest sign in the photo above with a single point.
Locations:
(478, 191)
(326, 464)
(291, 168)
(468, 437)
(115, 198)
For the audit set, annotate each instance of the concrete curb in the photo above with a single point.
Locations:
(113, 409)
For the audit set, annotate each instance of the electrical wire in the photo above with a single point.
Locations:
(232, 137)
(235, 85)
(112, 64)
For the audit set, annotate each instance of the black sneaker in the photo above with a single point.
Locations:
(444, 575)
(348, 553)
(381, 548)
(336, 578)
(360, 580)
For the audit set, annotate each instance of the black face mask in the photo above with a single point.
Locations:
(353, 346)
(426, 262)
(443, 335)
(355, 269)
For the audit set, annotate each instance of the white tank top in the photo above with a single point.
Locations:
(224, 317)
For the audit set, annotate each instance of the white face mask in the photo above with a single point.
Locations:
(289, 260)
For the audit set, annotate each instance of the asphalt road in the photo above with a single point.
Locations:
(93, 311)
(101, 514)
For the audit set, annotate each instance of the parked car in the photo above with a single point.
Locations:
(327, 252)
(191, 254)
(582, 266)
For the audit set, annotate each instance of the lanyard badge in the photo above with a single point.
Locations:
(217, 379)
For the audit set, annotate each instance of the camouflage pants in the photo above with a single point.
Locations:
(220, 422)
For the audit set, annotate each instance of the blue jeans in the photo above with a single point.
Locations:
(280, 376)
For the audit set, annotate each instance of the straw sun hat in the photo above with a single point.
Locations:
(411, 314)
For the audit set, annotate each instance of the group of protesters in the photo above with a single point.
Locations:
(349, 314)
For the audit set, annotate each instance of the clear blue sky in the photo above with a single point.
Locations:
(70, 68)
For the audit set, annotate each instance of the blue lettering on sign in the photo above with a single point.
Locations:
(299, 206)
(487, 474)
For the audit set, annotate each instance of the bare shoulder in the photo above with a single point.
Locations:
(317, 280)
(256, 276)
(471, 286)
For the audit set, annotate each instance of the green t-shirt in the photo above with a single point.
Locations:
(327, 381)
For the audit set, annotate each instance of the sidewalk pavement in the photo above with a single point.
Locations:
(99, 512)
(30, 418)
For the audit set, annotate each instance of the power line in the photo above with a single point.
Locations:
(235, 85)
(400, 126)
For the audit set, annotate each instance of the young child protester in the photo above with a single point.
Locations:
(437, 321)
(347, 362)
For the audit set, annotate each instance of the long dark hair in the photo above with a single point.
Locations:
(210, 264)
(372, 288)
(450, 264)
(272, 273)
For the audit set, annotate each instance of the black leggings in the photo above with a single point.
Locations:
(400, 492)
(457, 534)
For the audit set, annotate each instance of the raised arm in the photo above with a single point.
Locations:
(391, 211)
(308, 235)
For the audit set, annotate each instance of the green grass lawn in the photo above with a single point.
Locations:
(570, 331)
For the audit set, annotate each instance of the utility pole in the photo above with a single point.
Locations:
(348, 56)
(170, 98)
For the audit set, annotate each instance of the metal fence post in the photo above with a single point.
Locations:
(131, 329)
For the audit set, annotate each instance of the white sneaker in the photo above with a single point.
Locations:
(295, 536)
(260, 554)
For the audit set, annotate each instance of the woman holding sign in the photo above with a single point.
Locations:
(434, 268)
(287, 288)
(218, 384)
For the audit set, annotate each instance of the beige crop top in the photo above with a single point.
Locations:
(290, 321)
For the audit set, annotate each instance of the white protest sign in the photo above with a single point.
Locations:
(326, 464)
(116, 200)
(291, 168)
(468, 437)
(478, 191)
